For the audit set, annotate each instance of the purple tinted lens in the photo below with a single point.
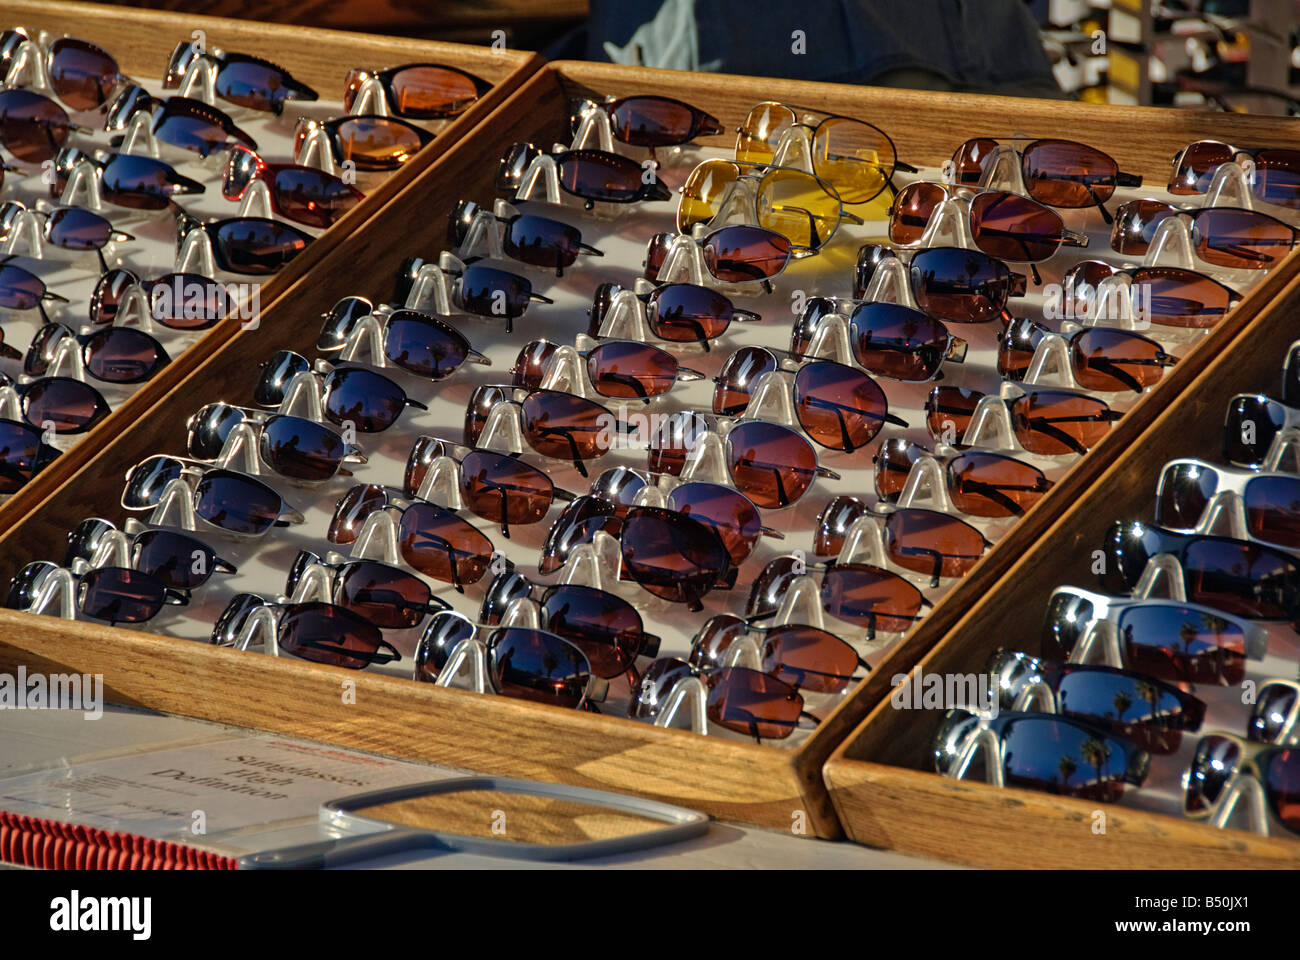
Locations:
(368, 400)
(121, 595)
(423, 345)
(257, 246)
(70, 406)
(490, 292)
(21, 455)
(542, 242)
(19, 289)
(236, 503)
(301, 449)
(123, 355)
(76, 229)
(180, 561)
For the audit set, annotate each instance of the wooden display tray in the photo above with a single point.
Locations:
(882, 797)
(736, 781)
(143, 40)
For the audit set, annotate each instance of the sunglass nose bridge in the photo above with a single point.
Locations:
(522, 612)
(948, 226)
(990, 426)
(891, 283)
(985, 740)
(304, 397)
(371, 98)
(315, 150)
(1100, 633)
(503, 431)
(794, 149)
(378, 540)
(927, 486)
(684, 260)
(626, 319)
(1004, 172)
(1051, 364)
(483, 235)
(772, 398)
(689, 693)
(240, 450)
(256, 201)
(194, 253)
(1226, 508)
(801, 604)
(25, 234)
(113, 550)
(542, 168)
(11, 406)
(468, 655)
(566, 373)
(175, 507)
(739, 204)
(706, 459)
(864, 542)
(1166, 566)
(315, 583)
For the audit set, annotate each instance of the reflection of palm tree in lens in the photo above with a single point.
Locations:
(1149, 692)
(1096, 752)
(1122, 702)
(1067, 767)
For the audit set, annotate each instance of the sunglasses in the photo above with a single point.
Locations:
(563, 426)
(771, 464)
(240, 79)
(254, 246)
(386, 596)
(61, 404)
(592, 175)
(178, 301)
(604, 626)
(1276, 710)
(1192, 494)
(370, 143)
(867, 596)
(416, 342)
(354, 395)
(838, 406)
(676, 312)
(858, 159)
(1236, 576)
(1101, 358)
(1003, 225)
(1141, 709)
(618, 369)
(950, 283)
(887, 339)
(81, 74)
(739, 253)
(528, 238)
(20, 289)
(1276, 171)
(419, 91)
(1175, 641)
(522, 662)
(489, 292)
(111, 354)
(180, 561)
(320, 632)
(807, 658)
(732, 514)
(648, 120)
(178, 121)
(745, 701)
(126, 180)
(232, 502)
(981, 484)
(1230, 237)
(1046, 422)
(495, 486)
(112, 594)
(32, 127)
(1218, 774)
(1254, 425)
(1169, 296)
(23, 454)
(431, 539)
(799, 206)
(1036, 751)
(71, 228)
(304, 195)
(1058, 173)
(674, 556)
(294, 447)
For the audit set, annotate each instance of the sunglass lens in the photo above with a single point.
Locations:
(1014, 228)
(311, 197)
(1036, 750)
(539, 666)
(1053, 422)
(770, 463)
(424, 345)
(740, 253)
(731, 514)
(276, 375)
(1273, 709)
(753, 703)
(178, 560)
(32, 127)
(22, 455)
(1241, 239)
(428, 92)
(833, 523)
(870, 597)
(541, 242)
(628, 370)
(378, 143)
(351, 511)
(686, 313)
(809, 659)
(651, 121)
(301, 449)
(841, 408)
(257, 246)
(121, 595)
(1214, 764)
(368, 400)
(236, 503)
(671, 555)
(1185, 491)
(1061, 173)
(736, 380)
(504, 489)
(123, 355)
(1248, 432)
(389, 598)
(489, 292)
(898, 342)
(566, 426)
(441, 545)
(325, 633)
(70, 406)
(994, 486)
(596, 175)
(932, 543)
(960, 286)
(604, 627)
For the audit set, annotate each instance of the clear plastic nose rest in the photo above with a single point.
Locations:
(483, 236)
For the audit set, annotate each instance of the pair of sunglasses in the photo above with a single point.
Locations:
(1047, 422)
(1276, 170)
(112, 594)
(676, 312)
(838, 406)
(1236, 576)
(745, 701)
(179, 121)
(419, 91)
(855, 157)
(1231, 237)
(591, 175)
(110, 354)
(416, 342)
(68, 227)
(1222, 760)
(888, 339)
(253, 246)
(739, 253)
(648, 120)
(949, 283)
(807, 658)
(294, 447)
(1168, 296)
(240, 79)
(618, 369)
(354, 395)
(528, 238)
(368, 142)
(1101, 358)
(304, 195)
(556, 424)
(125, 179)
(320, 632)
(1147, 712)
(604, 626)
(1190, 492)
(61, 404)
(182, 562)
(1171, 640)
(24, 453)
(1038, 751)
(522, 662)
(178, 301)
(1058, 173)
(227, 500)
(982, 484)
(32, 127)
(387, 596)
(1252, 423)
